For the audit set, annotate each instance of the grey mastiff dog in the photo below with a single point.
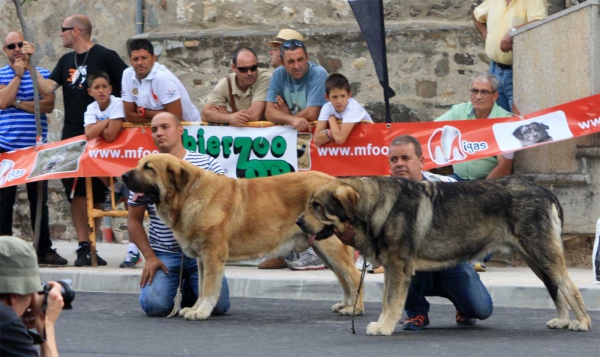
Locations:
(419, 225)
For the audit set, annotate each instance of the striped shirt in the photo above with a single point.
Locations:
(428, 176)
(160, 236)
(17, 127)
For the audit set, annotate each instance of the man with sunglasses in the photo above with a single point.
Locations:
(484, 94)
(71, 73)
(18, 131)
(244, 91)
(282, 36)
(297, 90)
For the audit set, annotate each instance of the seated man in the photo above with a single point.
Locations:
(460, 284)
(245, 91)
(160, 276)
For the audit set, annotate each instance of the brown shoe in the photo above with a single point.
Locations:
(378, 270)
(52, 258)
(273, 263)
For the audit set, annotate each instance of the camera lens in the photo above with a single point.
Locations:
(68, 294)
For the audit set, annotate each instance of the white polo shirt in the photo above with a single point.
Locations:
(160, 87)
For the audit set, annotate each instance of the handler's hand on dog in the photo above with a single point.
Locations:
(150, 268)
(347, 236)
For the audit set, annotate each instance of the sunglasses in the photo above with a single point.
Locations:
(246, 69)
(293, 43)
(12, 46)
(483, 92)
(63, 29)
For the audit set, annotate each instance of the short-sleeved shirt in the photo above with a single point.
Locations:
(160, 236)
(257, 92)
(500, 18)
(113, 111)
(17, 127)
(15, 340)
(476, 169)
(353, 113)
(309, 91)
(160, 87)
(74, 82)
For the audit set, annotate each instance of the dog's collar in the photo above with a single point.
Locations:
(195, 184)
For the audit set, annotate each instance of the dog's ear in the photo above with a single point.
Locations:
(178, 175)
(518, 133)
(346, 199)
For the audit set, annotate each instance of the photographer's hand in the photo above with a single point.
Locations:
(153, 263)
(35, 317)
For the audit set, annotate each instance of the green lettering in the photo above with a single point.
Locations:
(226, 143)
(188, 141)
(213, 146)
(260, 146)
(201, 146)
(278, 146)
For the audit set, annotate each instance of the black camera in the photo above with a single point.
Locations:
(67, 292)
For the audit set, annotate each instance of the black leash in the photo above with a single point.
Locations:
(362, 278)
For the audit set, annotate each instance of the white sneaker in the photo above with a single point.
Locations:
(360, 261)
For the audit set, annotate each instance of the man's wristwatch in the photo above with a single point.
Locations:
(17, 103)
(142, 112)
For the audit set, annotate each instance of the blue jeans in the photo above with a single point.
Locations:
(505, 86)
(156, 299)
(459, 284)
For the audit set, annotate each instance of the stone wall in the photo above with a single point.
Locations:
(433, 50)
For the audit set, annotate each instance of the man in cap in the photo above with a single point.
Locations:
(21, 301)
(282, 36)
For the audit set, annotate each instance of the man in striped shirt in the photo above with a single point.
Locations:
(17, 131)
(160, 276)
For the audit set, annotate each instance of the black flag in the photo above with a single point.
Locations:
(369, 15)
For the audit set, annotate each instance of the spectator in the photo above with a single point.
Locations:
(21, 302)
(342, 107)
(296, 92)
(71, 73)
(460, 284)
(282, 36)
(104, 117)
(17, 131)
(149, 88)
(496, 20)
(160, 276)
(484, 93)
(245, 91)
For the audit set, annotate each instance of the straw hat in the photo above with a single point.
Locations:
(284, 35)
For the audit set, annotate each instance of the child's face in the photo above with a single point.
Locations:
(338, 98)
(100, 91)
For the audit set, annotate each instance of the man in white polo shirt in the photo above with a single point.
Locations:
(149, 88)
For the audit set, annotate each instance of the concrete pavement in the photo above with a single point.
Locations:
(508, 286)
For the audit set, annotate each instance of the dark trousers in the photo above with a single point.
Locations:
(8, 196)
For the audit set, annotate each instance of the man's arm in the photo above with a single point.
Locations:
(256, 111)
(278, 117)
(309, 113)
(46, 104)
(9, 93)
(218, 114)
(137, 234)
(481, 27)
(503, 168)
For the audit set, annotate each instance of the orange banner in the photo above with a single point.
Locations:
(363, 154)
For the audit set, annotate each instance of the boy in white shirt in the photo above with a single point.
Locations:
(104, 117)
(342, 107)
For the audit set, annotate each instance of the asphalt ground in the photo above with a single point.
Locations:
(113, 324)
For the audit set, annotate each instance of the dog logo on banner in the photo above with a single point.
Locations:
(7, 174)
(445, 145)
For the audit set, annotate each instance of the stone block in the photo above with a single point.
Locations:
(426, 88)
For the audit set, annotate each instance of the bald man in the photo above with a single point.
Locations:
(71, 73)
(18, 131)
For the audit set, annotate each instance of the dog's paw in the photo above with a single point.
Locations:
(338, 307)
(349, 311)
(184, 311)
(577, 325)
(377, 329)
(197, 315)
(558, 323)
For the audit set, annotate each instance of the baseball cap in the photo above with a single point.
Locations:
(284, 35)
(19, 272)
